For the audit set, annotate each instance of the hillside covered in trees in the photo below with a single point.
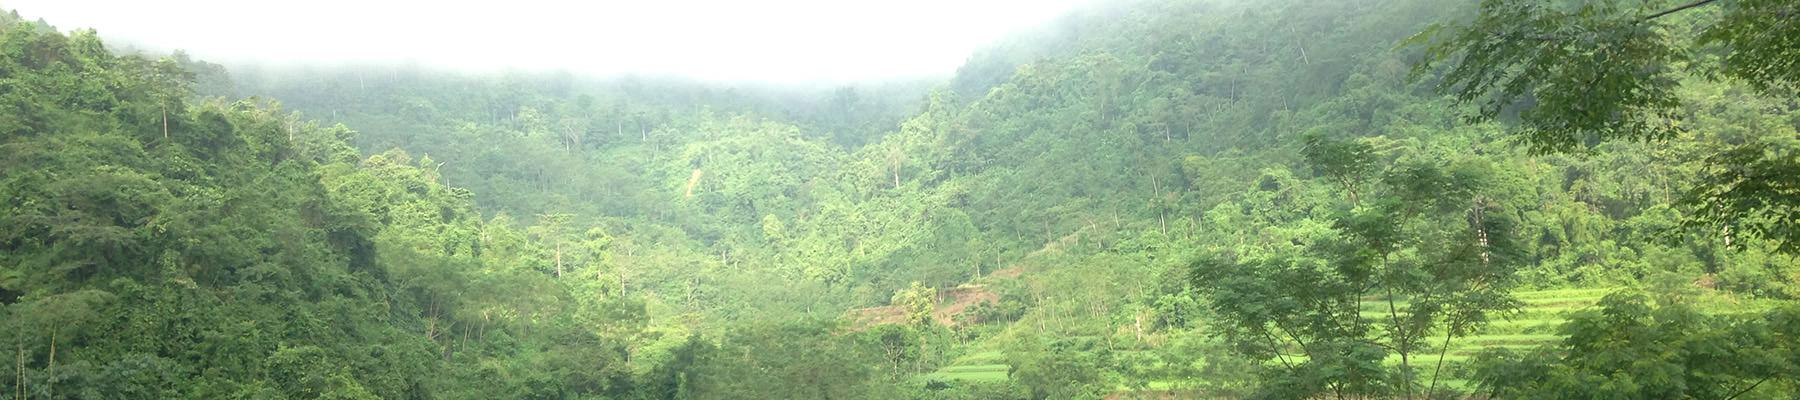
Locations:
(1286, 199)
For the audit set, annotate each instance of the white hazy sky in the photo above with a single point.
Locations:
(771, 40)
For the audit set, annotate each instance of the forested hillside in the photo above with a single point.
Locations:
(1141, 199)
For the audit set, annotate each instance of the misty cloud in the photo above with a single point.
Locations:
(778, 41)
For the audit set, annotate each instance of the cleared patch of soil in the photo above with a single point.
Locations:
(1008, 273)
(951, 302)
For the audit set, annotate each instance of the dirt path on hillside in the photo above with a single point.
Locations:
(954, 301)
(951, 302)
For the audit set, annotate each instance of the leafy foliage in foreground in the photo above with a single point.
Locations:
(1599, 71)
(1631, 347)
(1424, 239)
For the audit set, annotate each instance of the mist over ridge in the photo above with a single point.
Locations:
(789, 41)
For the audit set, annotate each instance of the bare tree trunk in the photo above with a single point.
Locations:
(1139, 322)
(165, 115)
(1443, 351)
(450, 346)
(19, 383)
(431, 321)
(894, 166)
(1481, 235)
(462, 343)
(50, 380)
(1401, 341)
(1162, 221)
(1301, 45)
(1190, 227)
(629, 252)
(1042, 316)
(571, 138)
(693, 180)
(923, 349)
(559, 262)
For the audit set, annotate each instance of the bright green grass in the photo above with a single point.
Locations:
(1582, 301)
(1564, 293)
(1426, 360)
(1523, 326)
(1558, 314)
(1514, 346)
(1521, 322)
(959, 369)
(1503, 339)
(988, 373)
(1462, 384)
(1378, 308)
(1535, 324)
(1154, 385)
(982, 366)
(985, 357)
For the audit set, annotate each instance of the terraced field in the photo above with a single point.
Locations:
(1535, 324)
(984, 366)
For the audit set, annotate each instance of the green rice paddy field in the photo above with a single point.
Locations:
(1534, 324)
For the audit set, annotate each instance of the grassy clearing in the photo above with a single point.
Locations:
(1536, 323)
(1512, 339)
(1521, 322)
(1564, 294)
(963, 369)
(990, 373)
(985, 366)
(985, 357)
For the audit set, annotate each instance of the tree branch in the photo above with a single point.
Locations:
(1747, 390)
(1442, 351)
(1684, 7)
(1276, 347)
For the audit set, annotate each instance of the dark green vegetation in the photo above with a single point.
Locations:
(1192, 199)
